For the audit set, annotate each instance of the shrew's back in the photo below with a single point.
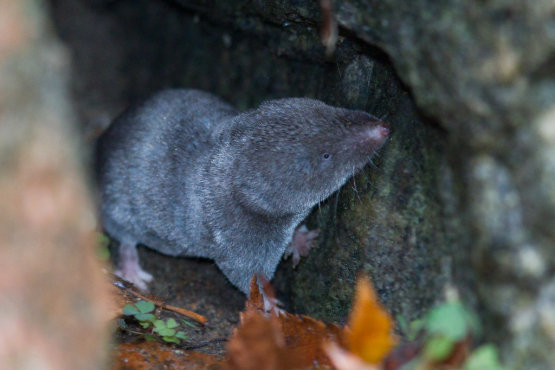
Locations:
(147, 163)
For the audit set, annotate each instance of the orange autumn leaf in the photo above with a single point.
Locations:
(370, 325)
(281, 338)
(153, 355)
(259, 345)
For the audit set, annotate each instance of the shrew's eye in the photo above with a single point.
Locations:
(326, 156)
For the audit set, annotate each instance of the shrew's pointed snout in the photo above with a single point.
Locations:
(367, 138)
(384, 128)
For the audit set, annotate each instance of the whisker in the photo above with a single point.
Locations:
(356, 191)
(365, 177)
(372, 163)
(355, 186)
(376, 167)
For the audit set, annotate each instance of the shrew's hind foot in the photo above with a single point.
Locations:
(129, 268)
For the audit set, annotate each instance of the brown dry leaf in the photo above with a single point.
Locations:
(256, 300)
(302, 336)
(370, 326)
(259, 345)
(401, 355)
(306, 337)
(459, 355)
(153, 355)
(405, 353)
(126, 293)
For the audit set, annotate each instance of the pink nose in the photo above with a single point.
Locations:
(384, 128)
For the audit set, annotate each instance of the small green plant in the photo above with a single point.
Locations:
(445, 326)
(102, 241)
(483, 358)
(441, 330)
(167, 330)
(142, 311)
(411, 330)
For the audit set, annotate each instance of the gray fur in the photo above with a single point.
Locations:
(188, 175)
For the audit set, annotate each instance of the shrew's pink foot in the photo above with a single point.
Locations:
(129, 268)
(270, 303)
(303, 241)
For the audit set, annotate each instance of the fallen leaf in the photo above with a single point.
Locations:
(401, 355)
(306, 336)
(370, 333)
(298, 338)
(256, 300)
(152, 355)
(458, 354)
(259, 345)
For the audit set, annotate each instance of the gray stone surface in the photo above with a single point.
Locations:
(387, 221)
(485, 70)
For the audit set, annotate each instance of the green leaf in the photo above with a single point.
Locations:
(403, 325)
(181, 335)
(450, 320)
(145, 306)
(483, 358)
(414, 364)
(130, 310)
(102, 239)
(172, 324)
(438, 348)
(171, 339)
(145, 317)
(103, 253)
(415, 327)
(165, 332)
(151, 338)
(159, 324)
(144, 324)
(473, 322)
